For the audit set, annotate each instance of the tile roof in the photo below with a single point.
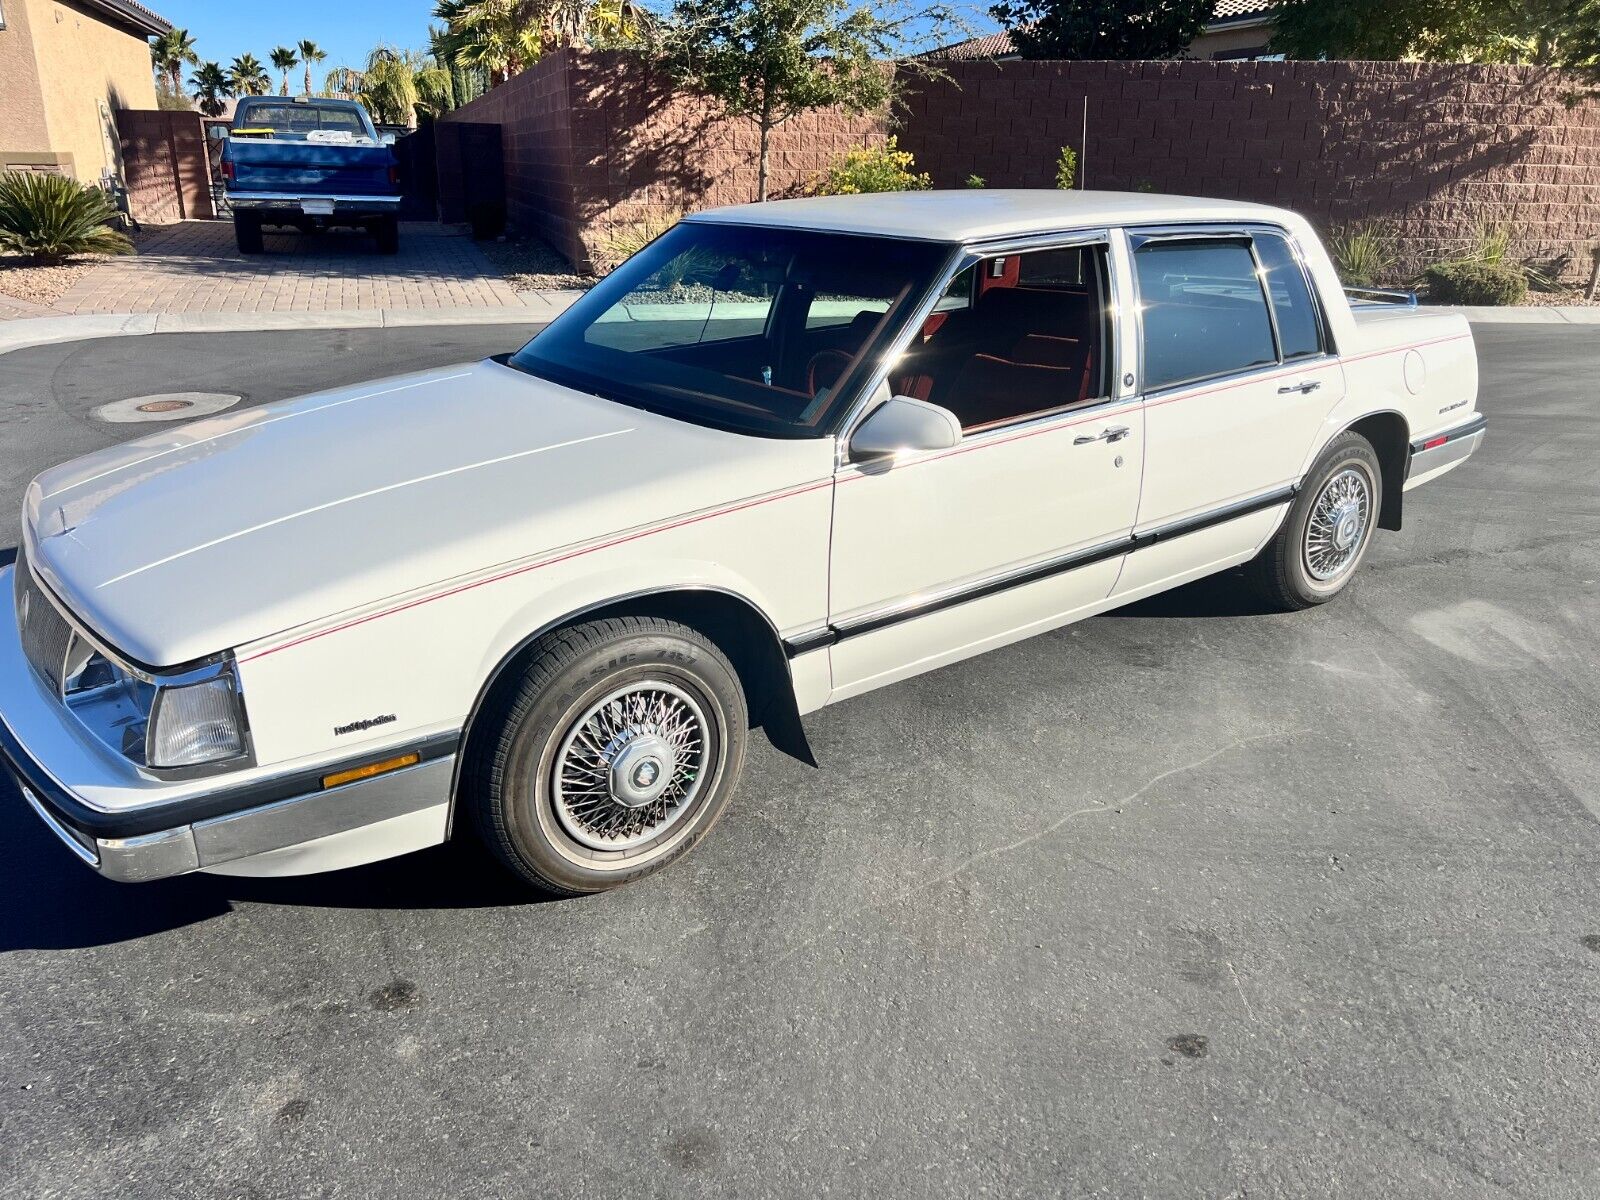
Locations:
(130, 12)
(998, 45)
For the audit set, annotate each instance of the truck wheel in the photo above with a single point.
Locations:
(388, 232)
(612, 754)
(1322, 541)
(247, 233)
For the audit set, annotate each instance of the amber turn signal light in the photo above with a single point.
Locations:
(340, 778)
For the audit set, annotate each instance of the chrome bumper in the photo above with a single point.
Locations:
(291, 201)
(1434, 453)
(130, 827)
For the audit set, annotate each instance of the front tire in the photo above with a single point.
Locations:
(1324, 538)
(610, 756)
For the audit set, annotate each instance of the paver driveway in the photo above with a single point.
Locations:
(194, 267)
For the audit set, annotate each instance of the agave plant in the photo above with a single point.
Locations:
(50, 218)
(1364, 255)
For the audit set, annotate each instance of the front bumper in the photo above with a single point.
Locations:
(131, 827)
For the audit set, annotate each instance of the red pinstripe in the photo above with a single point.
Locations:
(811, 487)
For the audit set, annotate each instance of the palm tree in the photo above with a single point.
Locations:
(284, 60)
(247, 77)
(210, 88)
(310, 53)
(501, 37)
(169, 54)
(396, 85)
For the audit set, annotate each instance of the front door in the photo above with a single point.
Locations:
(1026, 521)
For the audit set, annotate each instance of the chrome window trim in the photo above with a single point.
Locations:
(967, 254)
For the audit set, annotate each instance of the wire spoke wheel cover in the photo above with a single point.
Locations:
(630, 767)
(1340, 520)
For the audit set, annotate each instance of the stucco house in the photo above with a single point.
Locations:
(1238, 29)
(65, 67)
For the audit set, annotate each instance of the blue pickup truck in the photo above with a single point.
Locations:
(309, 163)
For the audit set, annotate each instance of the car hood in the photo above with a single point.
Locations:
(216, 534)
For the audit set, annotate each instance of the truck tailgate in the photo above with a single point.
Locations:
(310, 168)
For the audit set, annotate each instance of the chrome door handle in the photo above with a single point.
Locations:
(1114, 434)
(1309, 385)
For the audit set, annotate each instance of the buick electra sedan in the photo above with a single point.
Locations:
(785, 455)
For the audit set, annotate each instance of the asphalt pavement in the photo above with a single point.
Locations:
(1187, 900)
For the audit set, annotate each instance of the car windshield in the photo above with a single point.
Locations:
(751, 328)
(291, 120)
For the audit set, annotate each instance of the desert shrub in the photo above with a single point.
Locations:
(1066, 168)
(623, 240)
(49, 218)
(884, 168)
(976, 181)
(1364, 255)
(1476, 283)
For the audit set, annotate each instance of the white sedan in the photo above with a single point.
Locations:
(788, 453)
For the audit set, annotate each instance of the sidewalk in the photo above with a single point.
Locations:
(193, 267)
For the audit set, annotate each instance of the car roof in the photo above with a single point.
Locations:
(979, 214)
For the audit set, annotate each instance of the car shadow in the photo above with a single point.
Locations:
(54, 902)
(1229, 594)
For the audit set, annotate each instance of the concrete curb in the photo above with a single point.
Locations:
(537, 308)
(1530, 314)
(43, 331)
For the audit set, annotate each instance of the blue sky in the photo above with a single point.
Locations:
(346, 29)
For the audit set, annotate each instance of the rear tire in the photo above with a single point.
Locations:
(387, 231)
(247, 233)
(610, 756)
(1324, 538)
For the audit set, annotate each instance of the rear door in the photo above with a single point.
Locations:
(1237, 376)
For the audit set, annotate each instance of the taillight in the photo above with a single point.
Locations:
(227, 169)
(394, 176)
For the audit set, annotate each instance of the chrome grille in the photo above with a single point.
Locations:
(46, 636)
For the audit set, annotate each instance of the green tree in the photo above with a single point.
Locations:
(768, 61)
(1099, 29)
(310, 53)
(247, 77)
(397, 85)
(169, 55)
(284, 60)
(209, 87)
(1554, 33)
(504, 37)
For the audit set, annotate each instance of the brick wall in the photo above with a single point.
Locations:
(594, 139)
(1433, 149)
(165, 164)
(593, 142)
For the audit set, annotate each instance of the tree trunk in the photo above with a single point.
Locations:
(308, 79)
(765, 156)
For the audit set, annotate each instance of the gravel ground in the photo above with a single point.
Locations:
(532, 265)
(25, 280)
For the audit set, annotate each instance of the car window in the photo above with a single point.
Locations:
(298, 121)
(697, 296)
(1033, 340)
(1299, 332)
(1202, 311)
(743, 327)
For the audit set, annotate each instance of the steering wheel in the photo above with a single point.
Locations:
(825, 368)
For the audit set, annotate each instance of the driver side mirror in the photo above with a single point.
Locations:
(217, 133)
(901, 424)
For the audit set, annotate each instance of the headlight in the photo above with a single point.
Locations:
(158, 725)
(196, 724)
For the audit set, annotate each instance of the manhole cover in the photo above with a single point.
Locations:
(166, 406)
